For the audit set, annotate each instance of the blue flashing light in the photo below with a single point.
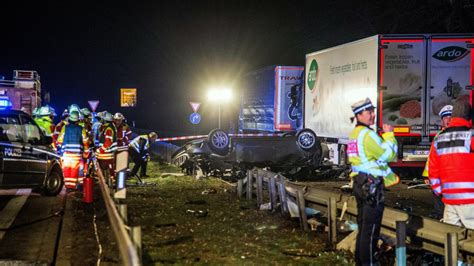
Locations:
(5, 103)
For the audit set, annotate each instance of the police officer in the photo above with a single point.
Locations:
(369, 154)
(139, 150)
(438, 206)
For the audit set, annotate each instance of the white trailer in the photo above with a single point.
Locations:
(408, 77)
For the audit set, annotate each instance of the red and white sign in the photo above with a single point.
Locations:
(195, 106)
(93, 105)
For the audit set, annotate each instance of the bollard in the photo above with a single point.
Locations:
(249, 184)
(240, 186)
(302, 210)
(451, 249)
(259, 190)
(332, 221)
(282, 195)
(136, 234)
(88, 190)
(401, 246)
(122, 208)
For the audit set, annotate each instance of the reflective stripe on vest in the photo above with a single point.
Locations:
(453, 142)
(136, 143)
(460, 196)
(371, 167)
(454, 185)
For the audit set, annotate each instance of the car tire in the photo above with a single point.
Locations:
(307, 140)
(53, 184)
(219, 141)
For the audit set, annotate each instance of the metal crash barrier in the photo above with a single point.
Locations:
(421, 232)
(129, 242)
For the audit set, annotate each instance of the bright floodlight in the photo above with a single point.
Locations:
(219, 95)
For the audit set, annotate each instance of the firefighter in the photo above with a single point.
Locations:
(451, 167)
(107, 146)
(369, 155)
(139, 150)
(59, 126)
(44, 119)
(438, 206)
(124, 134)
(73, 143)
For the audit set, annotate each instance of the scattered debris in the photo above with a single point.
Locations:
(198, 213)
(209, 191)
(266, 206)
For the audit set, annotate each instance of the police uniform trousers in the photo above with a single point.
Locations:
(370, 207)
(140, 163)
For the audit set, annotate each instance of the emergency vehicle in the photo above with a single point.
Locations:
(23, 92)
(26, 157)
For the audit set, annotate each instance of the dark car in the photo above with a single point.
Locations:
(26, 156)
(220, 153)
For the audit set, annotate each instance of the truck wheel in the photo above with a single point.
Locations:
(306, 139)
(219, 141)
(53, 184)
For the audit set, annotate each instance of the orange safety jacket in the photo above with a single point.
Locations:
(107, 142)
(451, 163)
(124, 134)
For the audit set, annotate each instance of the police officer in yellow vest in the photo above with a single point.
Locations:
(139, 150)
(369, 155)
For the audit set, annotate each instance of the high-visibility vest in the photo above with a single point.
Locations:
(451, 163)
(135, 144)
(46, 124)
(107, 142)
(369, 153)
(73, 139)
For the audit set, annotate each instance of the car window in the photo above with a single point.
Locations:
(10, 128)
(32, 131)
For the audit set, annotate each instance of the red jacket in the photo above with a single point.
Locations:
(451, 163)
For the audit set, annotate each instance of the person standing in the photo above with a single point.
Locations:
(369, 155)
(73, 144)
(451, 167)
(44, 119)
(139, 150)
(107, 146)
(124, 134)
(438, 206)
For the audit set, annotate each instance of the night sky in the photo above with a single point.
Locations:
(173, 51)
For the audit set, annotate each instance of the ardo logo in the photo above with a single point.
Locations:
(451, 53)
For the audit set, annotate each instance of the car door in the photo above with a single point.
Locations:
(35, 151)
(15, 164)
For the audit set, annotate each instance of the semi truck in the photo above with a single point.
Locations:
(23, 92)
(408, 77)
(271, 100)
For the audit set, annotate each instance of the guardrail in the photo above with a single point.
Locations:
(421, 232)
(129, 247)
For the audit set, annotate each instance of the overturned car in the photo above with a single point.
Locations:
(221, 153)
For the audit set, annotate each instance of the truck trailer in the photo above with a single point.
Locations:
(271, 100)
(408, 77)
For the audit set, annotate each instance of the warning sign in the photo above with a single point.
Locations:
(128, 97)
